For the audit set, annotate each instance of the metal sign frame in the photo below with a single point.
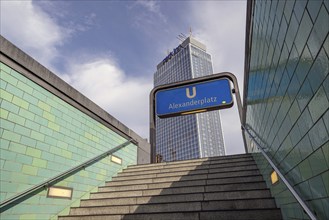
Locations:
(228, 75)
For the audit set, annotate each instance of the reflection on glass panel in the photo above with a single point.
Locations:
(288, 97)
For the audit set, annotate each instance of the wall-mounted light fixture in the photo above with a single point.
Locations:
(60, 192)
(116, 159)
(274, 177)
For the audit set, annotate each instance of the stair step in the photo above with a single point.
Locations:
(233, 174)
(107, 202)
(128, 172)
(250, 194)
(193, 206)
(183, 190)
(209, 188)
(184, 178)
(170, 195)
(143, 200)
(156, 185)
(263, 203)
(268, 214)
(149, 191)
(231, 180)
(167, 163)
(184, 173)
(96, 217)
(149, 216)
(246, 178)
(193, 160)
(187, 164)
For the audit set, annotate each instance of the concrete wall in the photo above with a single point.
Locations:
(287, 98)
(48, 127)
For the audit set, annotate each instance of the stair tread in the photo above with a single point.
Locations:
(180, 173)
(206, 176)
(269, 214)
(161, 199)
(187, 164)
(175, 206)
(175, 172)
(134, 194)
(177, 187)
(185, 183)
(196, 160)
(183, 205)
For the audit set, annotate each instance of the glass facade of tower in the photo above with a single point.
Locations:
(191, 136)
(287, 98)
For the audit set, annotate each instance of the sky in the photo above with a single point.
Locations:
(109, 50)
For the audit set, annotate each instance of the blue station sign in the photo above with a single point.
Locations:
(194, 98)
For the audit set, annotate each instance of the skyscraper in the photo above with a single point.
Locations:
(191, 136)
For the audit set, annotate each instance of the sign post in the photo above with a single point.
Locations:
(192, 96)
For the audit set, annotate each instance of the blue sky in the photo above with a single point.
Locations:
(109, 50)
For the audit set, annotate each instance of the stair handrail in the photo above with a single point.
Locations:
(6, 203)
(285, 181)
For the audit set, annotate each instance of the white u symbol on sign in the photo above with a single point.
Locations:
(193, 92)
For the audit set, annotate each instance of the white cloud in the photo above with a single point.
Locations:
(221, 26)
(126, 98)
(28, 27)
(150, 17)
(218, 24)
(152, 6)
(37, 33)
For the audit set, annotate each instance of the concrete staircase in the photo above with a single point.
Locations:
(228, 187)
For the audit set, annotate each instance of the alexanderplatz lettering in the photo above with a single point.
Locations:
(194, 98)
(200, 102)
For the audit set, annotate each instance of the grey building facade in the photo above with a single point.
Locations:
(191, 136)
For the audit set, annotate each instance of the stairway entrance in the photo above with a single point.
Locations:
(226, 187)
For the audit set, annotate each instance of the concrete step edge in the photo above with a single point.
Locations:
(268, 198)
(177, 169)
(188, 189)
(176, 173)
(195, 160)
(208, 181)
(216, 184)
(193, 215)
(192, 175)
(199, 163)
(194, 183)
(201, 201)
(145, 194)
(165, 207)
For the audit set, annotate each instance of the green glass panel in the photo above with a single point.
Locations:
(317, 162)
